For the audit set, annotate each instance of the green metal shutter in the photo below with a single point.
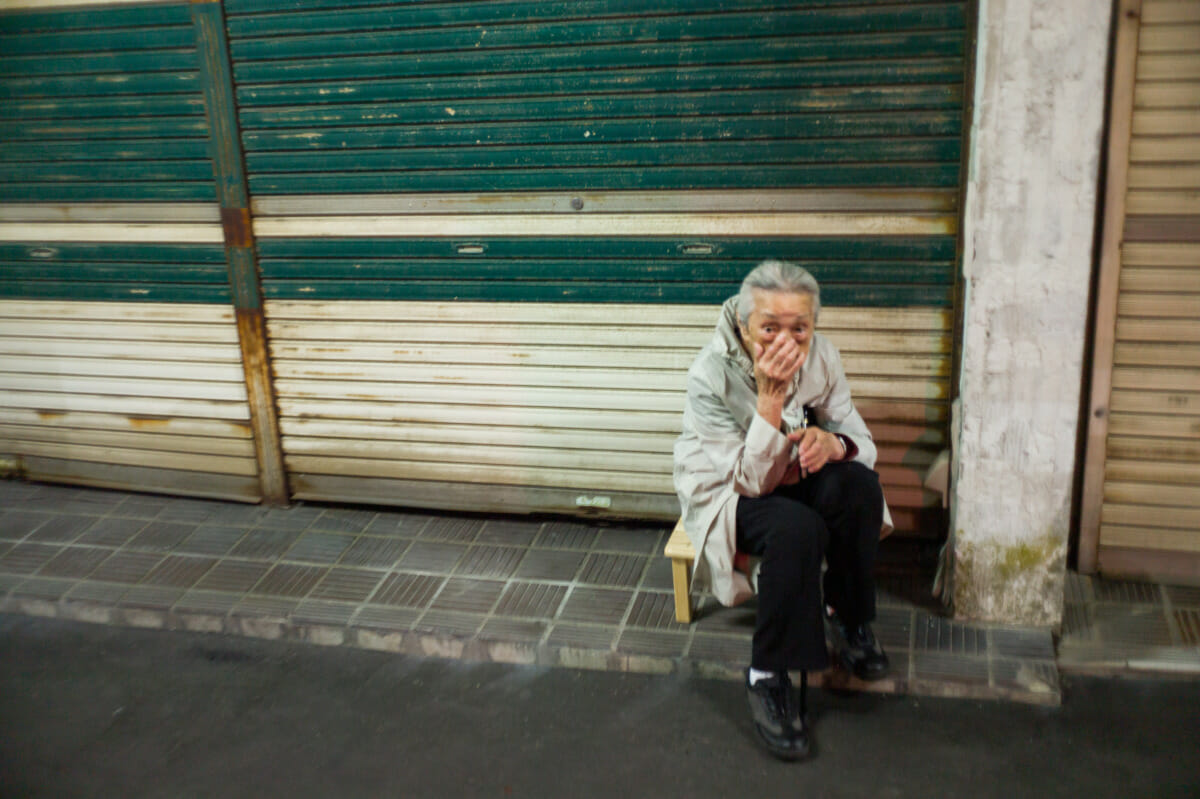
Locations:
(410, 160)
(581, 96)
(119, 356)
(102, 104)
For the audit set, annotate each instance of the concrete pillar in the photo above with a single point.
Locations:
(1029, 219)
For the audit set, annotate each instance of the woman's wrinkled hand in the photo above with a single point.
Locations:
(817, 448)
(775, 366)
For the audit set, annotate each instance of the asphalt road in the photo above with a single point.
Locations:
(102, 711)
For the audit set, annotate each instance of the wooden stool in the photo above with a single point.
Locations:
(679, 550)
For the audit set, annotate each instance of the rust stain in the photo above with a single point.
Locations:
(237, 226)
(148, 423)
(50, 416)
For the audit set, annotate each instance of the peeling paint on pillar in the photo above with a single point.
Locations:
(229, 170)
(1029, 220)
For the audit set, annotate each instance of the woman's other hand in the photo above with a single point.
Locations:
(817, 448)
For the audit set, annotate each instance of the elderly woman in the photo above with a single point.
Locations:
(774, 462)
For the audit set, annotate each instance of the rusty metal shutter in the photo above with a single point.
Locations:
(493, 234)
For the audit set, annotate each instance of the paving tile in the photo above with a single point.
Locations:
(638, 541)
(1182, 596)
(179, 571)
(431, 557)
(536, 600)
(191, 511)
(112, 531)
(8, 582)
(265, 544)
(893, 627)
(712, 617)
(408, 590)
(1126, 592)
(274, 607)
(140, 506)
(211, 540)
(520, 630)
(386, 618)
(451, 528)
(648, 642)
(15, 524)
(290, 579)
(294, 519)
(337, 614)
(16, 491)
(237, 576)
(318, 547)
(1021, 643)
(48, 588)
(550, 564)
(658, 575)
(403, 525)
(624, 571)
(566, 535)
(720, 648)
(485, 561)
(62, 529)
(74, 562)
(450, 622)
(508, 531)
(596, 605)
(213, 603)
(653, 610)
(126, 567)
(102, 497)
(1187, 622)
(944, 635)
(465, 594)
(237, 514)
(582, 636)
(1037, 676)
(1131, 625)
(1077, 622)
(943, 665)
(1077, 588)
(347, 585)
(343, 520)
(372, 552)
(150, 597)
(98, 592)
(161, 536)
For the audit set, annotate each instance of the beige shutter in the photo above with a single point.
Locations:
(1141, 509)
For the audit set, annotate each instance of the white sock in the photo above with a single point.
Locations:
(756, 675)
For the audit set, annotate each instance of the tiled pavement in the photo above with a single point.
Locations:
(1114, 627)
(527, 590)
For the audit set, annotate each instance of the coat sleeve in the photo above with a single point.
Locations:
(837, 413)
(753, 460)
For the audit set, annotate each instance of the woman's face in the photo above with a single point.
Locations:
(778, 313)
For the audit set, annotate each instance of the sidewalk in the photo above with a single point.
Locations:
(507, 589)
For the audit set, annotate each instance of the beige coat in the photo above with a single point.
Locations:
(726, 449)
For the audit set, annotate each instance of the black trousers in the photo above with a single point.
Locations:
(834, 514)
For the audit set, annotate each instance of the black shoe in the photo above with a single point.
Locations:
(780, 726)
(858, 651)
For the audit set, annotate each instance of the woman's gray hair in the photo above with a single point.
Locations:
(777, 276)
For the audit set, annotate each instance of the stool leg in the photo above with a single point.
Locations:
(681, 574)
